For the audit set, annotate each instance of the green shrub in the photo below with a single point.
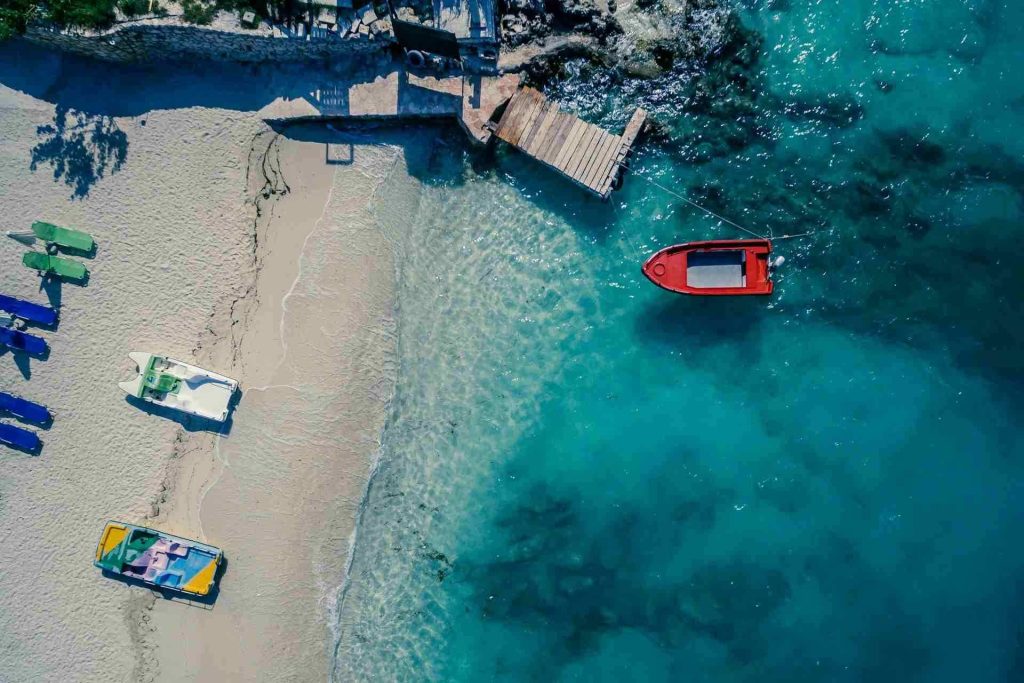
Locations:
(80, 13)
(134, 8)
(195, 12)
(14, 17)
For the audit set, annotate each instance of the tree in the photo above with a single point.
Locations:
(14, 17)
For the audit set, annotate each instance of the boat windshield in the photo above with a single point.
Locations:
(708, 269)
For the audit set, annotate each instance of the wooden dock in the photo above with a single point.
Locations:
(586, 154)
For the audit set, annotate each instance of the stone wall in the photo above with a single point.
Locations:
(142, 41)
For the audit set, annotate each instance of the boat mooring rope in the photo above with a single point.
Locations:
(723, 218)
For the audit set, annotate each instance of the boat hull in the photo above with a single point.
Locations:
(158, 559)
(17, 340)
(24, 409)
(178, 385)
(19, 438)
(713, 268)
(34, 313)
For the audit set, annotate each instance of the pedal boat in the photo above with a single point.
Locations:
(713, 268)
(63, 237)
(174, 384)
(23, 409)
(57, 266)
(26, 310)
(17, 437)
(158, 559)
(16, 340)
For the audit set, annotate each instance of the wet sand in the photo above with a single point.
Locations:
(283, 489)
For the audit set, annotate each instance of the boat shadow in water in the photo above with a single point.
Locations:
(206, 602)
(692, 322)
(191, 423)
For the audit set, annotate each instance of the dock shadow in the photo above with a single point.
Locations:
(206, 602)
(342, 133)
(191, 423)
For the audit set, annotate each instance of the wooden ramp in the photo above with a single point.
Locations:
(581, 151)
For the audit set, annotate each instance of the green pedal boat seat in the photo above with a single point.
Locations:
(64, 237)
(54, 265)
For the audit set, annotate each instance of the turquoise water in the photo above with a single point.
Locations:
(586, 478)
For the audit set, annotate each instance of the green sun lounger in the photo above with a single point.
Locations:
(64, 237)
(54, 265)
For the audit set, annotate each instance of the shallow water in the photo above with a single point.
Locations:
(586, 478)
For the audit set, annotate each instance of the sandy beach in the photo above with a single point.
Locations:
(227, 244)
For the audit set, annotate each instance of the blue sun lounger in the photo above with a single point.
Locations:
(20, 341)
(18, 438)
(24, 409)
(34, 313)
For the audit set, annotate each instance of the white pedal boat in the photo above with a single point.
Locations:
(178, 385)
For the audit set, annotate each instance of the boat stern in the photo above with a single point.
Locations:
(113, 536)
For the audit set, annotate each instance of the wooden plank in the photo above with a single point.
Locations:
(539, 127)
(515, 129)
(517, 132)
(514, 119)
(561, 131)
(582, 151)
(540, 142)
(530, 129)
(598, 148)
(571, 140)
(582, 146)
(608, 165)
(531, 121)
(522, 103)
(595, 176)
(617, 159)
(587, 145)
(633, 128)
(509, 113)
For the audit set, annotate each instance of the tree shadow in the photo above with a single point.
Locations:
(82, 148)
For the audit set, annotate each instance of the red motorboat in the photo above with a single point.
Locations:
(716, 268)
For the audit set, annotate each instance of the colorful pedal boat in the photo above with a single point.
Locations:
(158, 559)
(63, 237)
(54, 265)
(175, 384)
(19, 438)
(26, 310)
(715, 268)
(17, 340)
(24, 409)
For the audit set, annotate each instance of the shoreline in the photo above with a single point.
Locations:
(268, 598)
